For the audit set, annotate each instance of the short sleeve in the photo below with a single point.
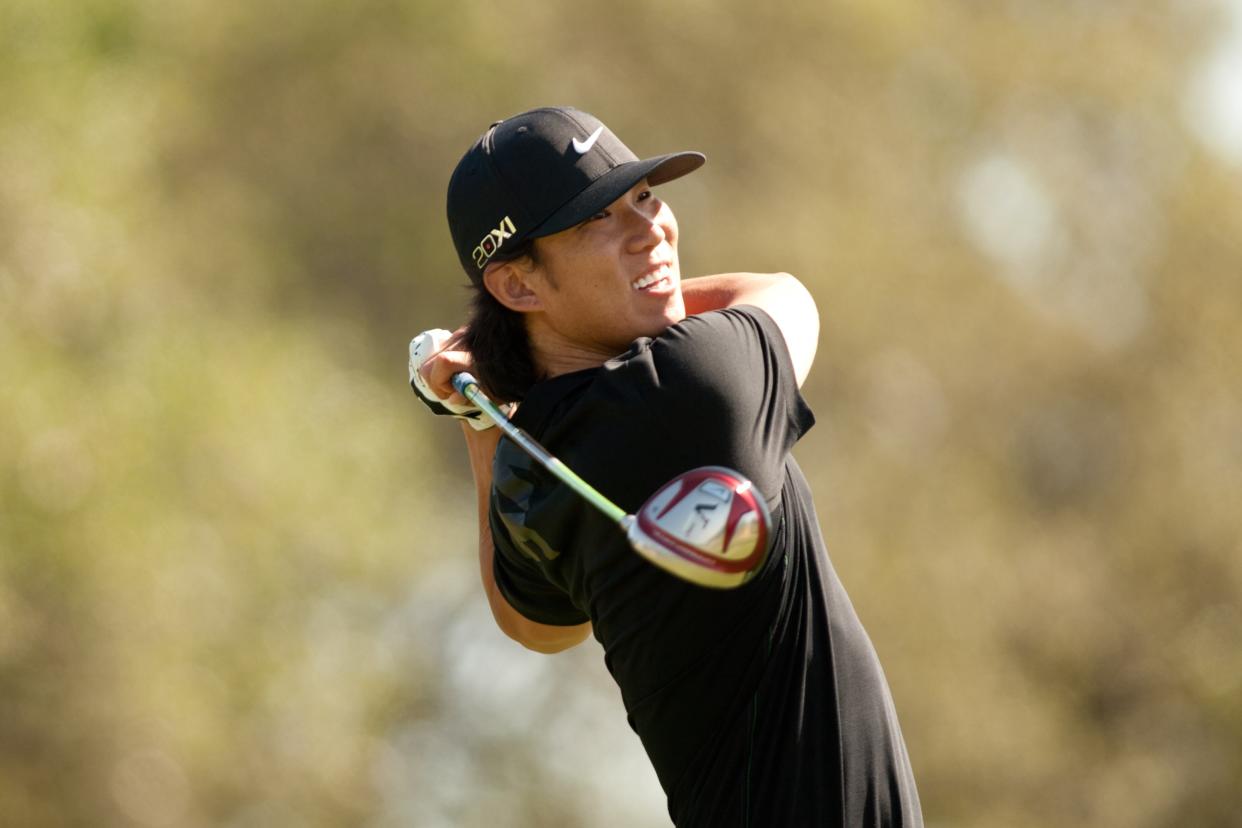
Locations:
(526, 564)
(730, 375)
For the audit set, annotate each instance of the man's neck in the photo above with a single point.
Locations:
(553, 359)
(555, 354)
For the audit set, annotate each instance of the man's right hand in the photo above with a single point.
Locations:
(434, 360)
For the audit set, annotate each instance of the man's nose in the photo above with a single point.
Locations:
(648, 231)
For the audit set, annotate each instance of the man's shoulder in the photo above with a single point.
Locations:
(547, 396)
(714, 335)
(729, 320)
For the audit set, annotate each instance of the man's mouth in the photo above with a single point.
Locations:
(657, 280)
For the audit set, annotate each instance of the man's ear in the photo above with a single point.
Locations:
(510, 285)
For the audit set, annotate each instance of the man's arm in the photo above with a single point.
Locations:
(542, 638)
(780, 295)
(438, 370)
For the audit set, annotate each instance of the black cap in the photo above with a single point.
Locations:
(542, 172)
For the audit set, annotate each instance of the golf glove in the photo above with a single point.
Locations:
(421, 348)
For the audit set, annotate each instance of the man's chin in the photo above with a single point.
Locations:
(674, 311)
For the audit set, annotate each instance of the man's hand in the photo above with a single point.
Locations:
(434, 359)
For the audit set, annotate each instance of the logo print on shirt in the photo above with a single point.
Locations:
(520, 492)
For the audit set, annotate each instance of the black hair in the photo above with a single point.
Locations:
(497, 338)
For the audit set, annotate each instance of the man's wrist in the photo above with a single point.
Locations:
(481, 444)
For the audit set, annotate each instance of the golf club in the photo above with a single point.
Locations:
(709, 526)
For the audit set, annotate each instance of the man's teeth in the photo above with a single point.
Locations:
(650, 279)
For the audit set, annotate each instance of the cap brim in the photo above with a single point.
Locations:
(615, 183)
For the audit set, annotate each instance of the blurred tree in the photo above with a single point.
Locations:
(236, 577)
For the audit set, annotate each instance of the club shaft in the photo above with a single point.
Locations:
(469, 388)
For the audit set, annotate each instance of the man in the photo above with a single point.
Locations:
(759, 706)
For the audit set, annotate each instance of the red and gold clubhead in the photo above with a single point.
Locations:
(709, 526)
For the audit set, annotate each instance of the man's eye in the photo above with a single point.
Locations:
(644, 195)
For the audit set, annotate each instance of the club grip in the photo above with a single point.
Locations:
(468, 387)
(462, 380)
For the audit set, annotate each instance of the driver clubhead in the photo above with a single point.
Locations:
(709, 526)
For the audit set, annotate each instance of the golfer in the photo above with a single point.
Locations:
(763, 705)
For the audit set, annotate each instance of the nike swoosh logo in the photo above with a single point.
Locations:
(583, 147)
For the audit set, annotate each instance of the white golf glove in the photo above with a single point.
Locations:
(421, 349)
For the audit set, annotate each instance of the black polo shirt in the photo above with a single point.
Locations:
(759, 706)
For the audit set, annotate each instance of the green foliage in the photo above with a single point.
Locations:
(236, 572)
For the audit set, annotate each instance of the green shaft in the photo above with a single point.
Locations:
(469, 388)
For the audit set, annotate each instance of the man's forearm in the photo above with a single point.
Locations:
(481, 448)
(722, 290)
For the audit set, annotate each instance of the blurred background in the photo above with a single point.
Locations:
(237, 583)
